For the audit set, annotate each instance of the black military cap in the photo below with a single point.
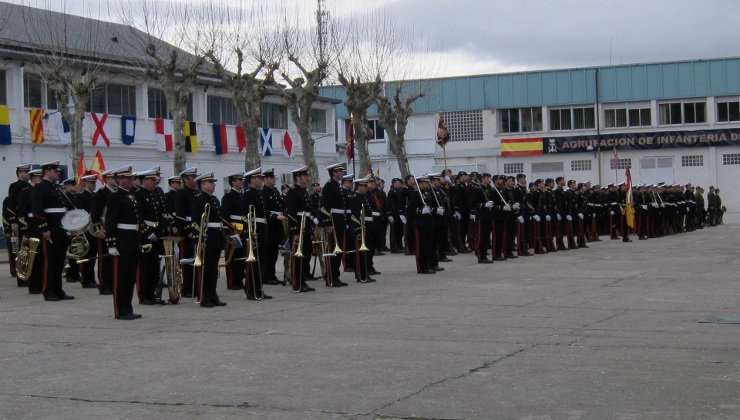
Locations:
(300, 171)
(205, 177)
(571, 182)
(407, 177)
(268, 173)
(538, 181)
(462, 173)
(509, 177)
(315, 184)
(70, 181)
(23, 168)
(50, 165)
(520, 176)
(485, 175)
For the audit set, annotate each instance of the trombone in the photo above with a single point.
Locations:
(297, 283)
(199, 251)
(337, 250)
(363, 247)
(252, 258)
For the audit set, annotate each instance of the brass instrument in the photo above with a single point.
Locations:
(363, 247)
(75, 223)
(200, 250)
(253, 258)
(26, 256)
(15, 241)
(146, 248)
(234, 228)
(299, 249)
(337, 250)
(172, 270)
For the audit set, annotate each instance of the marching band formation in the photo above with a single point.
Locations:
(140, 239)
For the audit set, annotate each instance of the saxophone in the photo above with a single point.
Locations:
(25, 258)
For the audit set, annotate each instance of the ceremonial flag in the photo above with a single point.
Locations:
(219, 139)
(287, 145)
(351, 141)
(37, 125)
(241, 138)
(164, 134)
(629, 211)
(65, 136)
(443, 136)
(616, 158)
(521, 147)
(5, 137)
(81, 168)
(100, 128)
(128, 129)
(377, 173)
(191, 137)
(265, 141)
(98, 166)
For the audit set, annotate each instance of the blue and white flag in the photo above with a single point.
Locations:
(128, 129)
(266, 141)
(65, 137)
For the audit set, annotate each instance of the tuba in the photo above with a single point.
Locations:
(172, 270)
(75, 222)
(24, 260)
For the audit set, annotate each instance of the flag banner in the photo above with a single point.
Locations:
(287, 145)
(351, 141)
(616, 158)
(63, 131)
(128, 129)
(98, 166)
(443, 136)
(629, 211)
(219, 139)
(100, 128)
(377, 174)
(521, 147)
(5, 136)
(80, 168)
(191, 137)
(164, 134)
(37, 125)
(241, 138)
(643, 141)
(265, 141)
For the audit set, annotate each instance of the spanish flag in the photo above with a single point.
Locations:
(521, 147)
(98, 166)
(191, 137)
(629, 211)
(81, 171)
(37, 125)
(5, 137)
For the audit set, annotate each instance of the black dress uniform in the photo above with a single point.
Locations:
(481, 204)
(27, 229)
(274, 207)
(154, 226)
(48, 209)
(297, 207)
(12, 217)
(97, 217)
(333, 213)
(256, 271)
(72, 272)
(214, 242)
(348, 241)
(397, 207)
(233, 212)
(87, 269)
(362, 224)
(184, 199)
(122, 222)
(419, 213)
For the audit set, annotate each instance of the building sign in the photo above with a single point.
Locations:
(639, 141)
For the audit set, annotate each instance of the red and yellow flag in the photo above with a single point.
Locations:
(629, 211)
(98, 166)
(81, 168)
(521, 147)
(37, 125)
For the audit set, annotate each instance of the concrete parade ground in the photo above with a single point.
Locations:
(608, 332)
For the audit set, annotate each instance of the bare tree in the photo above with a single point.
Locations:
(175, 69)
(253, 51)
(393, 116)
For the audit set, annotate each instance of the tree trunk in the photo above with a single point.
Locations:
(361, 137)
(250, 123)
(398, 147)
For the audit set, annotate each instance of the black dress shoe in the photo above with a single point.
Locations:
(499, 259)
(273, 282)
(485, 261)
(525, 254)
(65, 296)
(374, 272)
(51, 298)
(22, 283)
(146, 302)
(106, 292)
(338, 283)
(89, 285)
(308, 288)
(219, 303)
(445, 259)
(349, 270)
(427, 271)
(266, 296)
(367, 280)
(235, 287)
(438, 269)
(206, 304)
(128, 317)
(34, 292)
(512, 256)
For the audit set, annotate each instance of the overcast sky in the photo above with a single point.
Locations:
(477, 36)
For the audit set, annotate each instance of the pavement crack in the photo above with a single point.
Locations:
(152, 403)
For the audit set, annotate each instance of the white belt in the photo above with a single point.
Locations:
(55, 210)
(302, 213)
(214, 225)
(348, 212)
(260, 220)
(188, 218)
(30, 215)
(376, 213)
(126, 226)
(278, 213)
(150, 223)
(368, 219)
(338, 211)
(234, 217)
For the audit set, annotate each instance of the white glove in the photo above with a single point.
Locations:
(390, 219)
(520, 219)
(472, 217)
(516, 206)
(687, 209)
(662, 205)
(612, 212)
(458, 216)
(152, 237)
(447, 178)
(403, 219)
(315, 221)
(425, 210)
(489, 204)
(559, 218)
(655, 205)
(570, 219)
(644, 206)
(548, 217)
(440, 211)
(507, 208)
(113, 251)
(580, 216)
(537, 217)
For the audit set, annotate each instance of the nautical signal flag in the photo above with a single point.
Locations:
(241, 138)
(265, 141)
(521, 147)
(351, 141)
(128, 129)
(287, 145)
(98, 166)
(164, 134)
(100, 128)
(63, 130)
(220, 139)
(5, 137)
(37, 125)
(191, 137)
(443, 136)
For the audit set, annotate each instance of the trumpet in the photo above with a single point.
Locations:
(337, 250)
(200, 250)
(252, 237)
(299, 250)
(363, 246)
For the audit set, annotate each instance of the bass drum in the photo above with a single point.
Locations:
(75, 221)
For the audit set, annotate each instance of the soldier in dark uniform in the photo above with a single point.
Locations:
(440, 219)
(538, 213)
(381, 197)
(211, 235)
(298, 210)
(419, 211)
(48, 207)
(348, 193)
(10, 213)
(175, 184)
(183, 219)
(253, 202)
(519, 195)
(362, 209)
(69, 190)
(570, 212)
(623, 217)
(97, 218)
(233, 209)
(481, 204)
(396, 208)
(377, 213)
(332, 217)
(122, 222)
(502, 219)
(274, 212)
(315, 197)
(85, 201)
(701, 209)
(409, 232)
(154, 226)
(27, 230)
(551, 222)
(581, 208)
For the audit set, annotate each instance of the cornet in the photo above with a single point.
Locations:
(337, 250)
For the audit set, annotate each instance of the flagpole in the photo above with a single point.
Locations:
(444, 152)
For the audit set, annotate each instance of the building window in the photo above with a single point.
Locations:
(575, 118)
(158, 105)
(274, 115)
(318, 118)
(376, 131)
(731, 159)
(580, 165)
(692, 160)
(627, 117)
(464, 125)
(682, 113)
(560, 119)
(3, 88)
(520, 120)
(221, 110)
(623, 164)
(583, 118)
(514, 168)
(32, 91)
(728, 111)
(113, 99)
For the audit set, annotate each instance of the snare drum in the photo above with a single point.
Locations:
(75, 221)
